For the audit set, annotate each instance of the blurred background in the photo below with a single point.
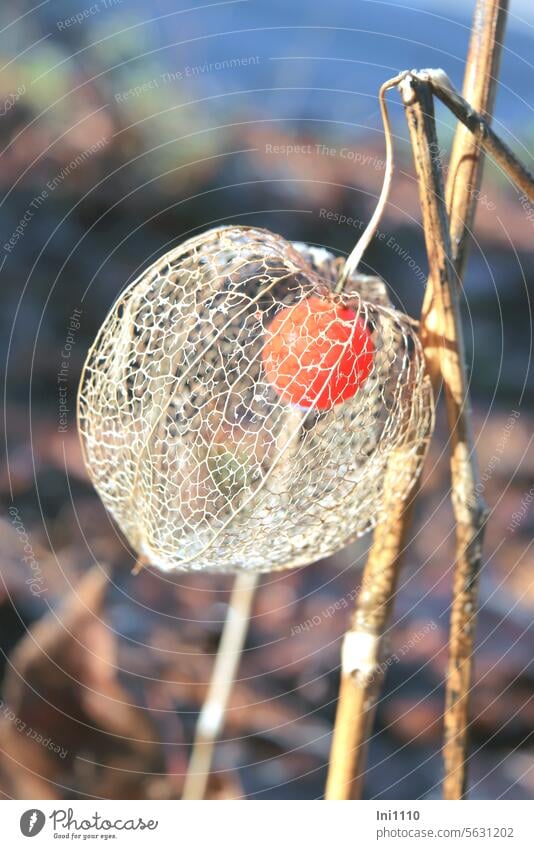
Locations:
(125, 128)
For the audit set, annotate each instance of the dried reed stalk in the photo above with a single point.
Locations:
(464, 179)
(362, 652)
(466, 160)
(357, 700)
(487, 138)
(362, 668)
(443, 339)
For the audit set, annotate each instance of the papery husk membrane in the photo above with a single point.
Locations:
(192, 450)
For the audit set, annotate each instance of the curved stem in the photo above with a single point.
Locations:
(354, 258)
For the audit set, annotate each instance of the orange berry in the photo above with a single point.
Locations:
(317, 353)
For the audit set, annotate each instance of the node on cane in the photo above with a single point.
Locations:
(237, 413)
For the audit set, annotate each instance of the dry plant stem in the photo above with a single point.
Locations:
(488, 140)
(211, 716)
(444, 347)
(233, 637)
(363, 650)
(353, 260)
(465, 175)
(363, 672)
(466, 160)
(357, 699)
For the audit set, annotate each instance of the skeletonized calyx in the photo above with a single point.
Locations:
(198, 451)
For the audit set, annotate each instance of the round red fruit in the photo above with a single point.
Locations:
(317, 353)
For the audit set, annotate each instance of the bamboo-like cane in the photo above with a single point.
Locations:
(469, 509)
(362, 669)
(464, 179)
(210, 721)
(363, 649)
(479, 89)
(444, 347)
(487, 138)
(357, 699)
